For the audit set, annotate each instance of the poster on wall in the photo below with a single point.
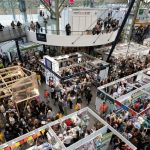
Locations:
(48, 63)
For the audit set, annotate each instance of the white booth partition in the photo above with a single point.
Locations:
(61, 68)
(47, 137)
(125, 93)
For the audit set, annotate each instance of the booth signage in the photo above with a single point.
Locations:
(41, 37)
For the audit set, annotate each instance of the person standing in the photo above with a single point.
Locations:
(46, 95)
(89, 97)
(13, 25)
(60, 105)
(32, 26)
(103, 109)
(38, 26)
(68, 29)
(19, 24)
(39, 78)
(1, 27)
(52, 90)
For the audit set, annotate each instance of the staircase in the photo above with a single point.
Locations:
(130, 22)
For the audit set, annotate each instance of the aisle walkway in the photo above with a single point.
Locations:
(55, 107)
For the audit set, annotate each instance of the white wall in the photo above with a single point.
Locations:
(83, 41)
(82, 19)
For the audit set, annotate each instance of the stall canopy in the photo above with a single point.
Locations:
(31, 140)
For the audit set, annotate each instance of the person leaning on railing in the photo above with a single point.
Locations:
(19, 24)
(13, 25)
(32, 26)
(1, 27)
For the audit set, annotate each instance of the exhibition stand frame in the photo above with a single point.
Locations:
(137, 86)
(18, 84)
(34, 135)
(54, 66)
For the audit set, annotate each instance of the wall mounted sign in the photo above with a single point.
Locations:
(41, 37)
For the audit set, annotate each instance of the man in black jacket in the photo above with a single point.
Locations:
(1, 27)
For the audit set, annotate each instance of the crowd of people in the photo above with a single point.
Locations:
(73, 130)
(107, 25)
(136, 132)
(35, 27)
(66, 97)
(13, 25)
(140, 33)
(72, 71)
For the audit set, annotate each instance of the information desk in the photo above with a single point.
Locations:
(53, 135)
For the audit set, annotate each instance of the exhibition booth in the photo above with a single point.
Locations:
(124, 50)
(130, 93)
(72, 66)
(18, 85)
(81, 129)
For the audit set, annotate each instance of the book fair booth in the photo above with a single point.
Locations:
(72, 66)
(94, 132)
(130, 93)
(18, 85)
(124, 50)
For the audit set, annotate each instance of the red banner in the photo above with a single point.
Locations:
(71, 2)
(47, 2)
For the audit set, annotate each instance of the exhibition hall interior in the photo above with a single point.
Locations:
(74, 74)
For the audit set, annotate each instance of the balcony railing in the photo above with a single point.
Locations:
(8, 33)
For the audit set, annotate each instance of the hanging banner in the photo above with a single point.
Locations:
(71, 2)
(47, 2)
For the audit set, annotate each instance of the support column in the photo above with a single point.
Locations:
(44, 49)
(18, 51)
(57, 15)
(22, 7)
(120, 29)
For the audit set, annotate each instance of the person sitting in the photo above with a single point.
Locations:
(1, 27)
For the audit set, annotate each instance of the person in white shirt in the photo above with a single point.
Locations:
(67, 140)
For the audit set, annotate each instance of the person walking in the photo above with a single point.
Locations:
(89, 97)
(38, 78)
(60, 105)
